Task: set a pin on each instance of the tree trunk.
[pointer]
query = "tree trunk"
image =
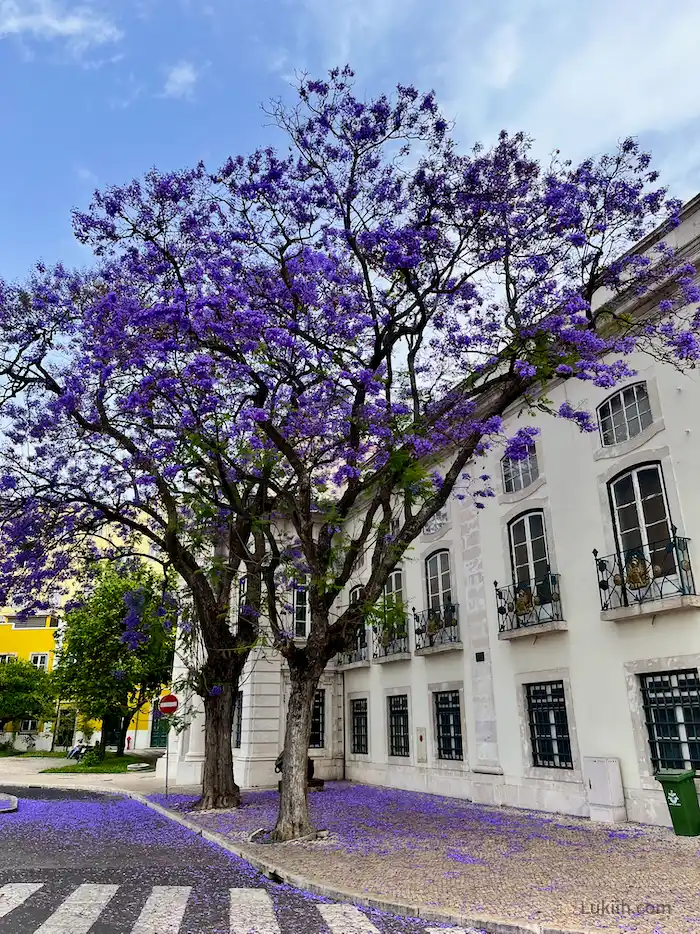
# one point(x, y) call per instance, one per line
point(219, 790)
point(293, 820)
point(123, 730)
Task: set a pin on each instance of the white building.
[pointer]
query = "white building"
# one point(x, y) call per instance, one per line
point(567, 683)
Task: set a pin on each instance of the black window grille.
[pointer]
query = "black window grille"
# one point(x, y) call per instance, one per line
point(449, 725)
point(318, 720)
point(398, 725)
point(239, 720)
point(359, 726)
point(672, 714)
point(549, 727)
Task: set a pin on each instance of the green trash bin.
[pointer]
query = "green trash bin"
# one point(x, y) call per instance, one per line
point(682, 800)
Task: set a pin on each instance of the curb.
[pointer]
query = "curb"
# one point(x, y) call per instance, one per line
point(278, 874)
point(8, 803)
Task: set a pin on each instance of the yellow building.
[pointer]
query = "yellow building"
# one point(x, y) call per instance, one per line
point(34, 639)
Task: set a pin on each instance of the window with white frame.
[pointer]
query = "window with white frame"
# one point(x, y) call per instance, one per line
point(528, 548)
point(398, 725)
point(7, 657)
point(438, 580)
point(520, 474)
point(29, 726)
point(393, 589)
point(436, 522)
point(300, 608)
point(549, 725)
point(361, 636)
point(448, 725)
point(624, 415)
point(317, 740)
point(28, 622)
point(39, 660)
point(360, 732)
point(641, 518)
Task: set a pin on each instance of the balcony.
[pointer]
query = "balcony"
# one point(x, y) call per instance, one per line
point(529, 608)
point(389, 632)
point(358, 656)
point(437, 630)
point(647, 580)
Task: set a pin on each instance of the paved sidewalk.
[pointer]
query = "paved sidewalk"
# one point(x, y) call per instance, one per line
point(23, 770)
point(480, 862)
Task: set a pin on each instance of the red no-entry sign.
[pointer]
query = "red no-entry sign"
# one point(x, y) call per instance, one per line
point(168, 704)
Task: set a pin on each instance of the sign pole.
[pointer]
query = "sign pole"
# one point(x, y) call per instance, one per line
point(167, 758)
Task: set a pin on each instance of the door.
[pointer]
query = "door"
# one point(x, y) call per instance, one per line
point(530, 560)
point(641, 517)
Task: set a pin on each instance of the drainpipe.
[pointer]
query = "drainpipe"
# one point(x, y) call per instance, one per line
point(344, 737)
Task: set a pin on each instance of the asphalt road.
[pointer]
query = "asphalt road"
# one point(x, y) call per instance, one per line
point(75, 862)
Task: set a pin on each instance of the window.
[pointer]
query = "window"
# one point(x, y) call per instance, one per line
point(318, 721)
point(519, 474)
point(640, 515)
point(439, 580)
point(361, 635)
point(29, 726)
point(437, 522)
point(238, 721)
point(53, 622)
point(39, 660)
point(29, 622)
point(398, 725)
point(358, 710)
point(549, 727)
point(8, 657)
point(672, 714)
point(624, 415)
point(448, 725)
point(301, 610)
point(393, 589)
point(528, 551)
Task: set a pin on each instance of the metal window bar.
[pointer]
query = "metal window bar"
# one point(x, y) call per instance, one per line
point(318, 721)
point(671, 702)
point(436, 626)
point(239, 720)
point(549, 726)
point(449, 725)
point(640, 575)
point(398, 725)
point(529, 603)
point(360, 731)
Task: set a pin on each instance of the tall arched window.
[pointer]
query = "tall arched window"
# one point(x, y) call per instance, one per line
point(624, 414)
point(528, 547)
point(642, 523)
point(438, 578)
point(519, 474)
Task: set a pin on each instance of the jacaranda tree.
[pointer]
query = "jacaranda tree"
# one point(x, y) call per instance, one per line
point(308, 347)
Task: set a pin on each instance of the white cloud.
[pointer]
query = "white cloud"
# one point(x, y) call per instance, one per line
point(180, 80)
point(78, 26)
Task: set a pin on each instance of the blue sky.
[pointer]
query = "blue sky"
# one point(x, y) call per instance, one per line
point(93, 92)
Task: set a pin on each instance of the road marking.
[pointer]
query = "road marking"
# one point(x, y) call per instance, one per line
point(78, 913)
point(13, 895)
point(346, 919)
point(164, 910)
point(252, 912)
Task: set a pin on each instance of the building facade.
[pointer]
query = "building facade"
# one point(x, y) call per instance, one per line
point(549, 655)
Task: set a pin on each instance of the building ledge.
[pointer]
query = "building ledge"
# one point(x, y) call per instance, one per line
point(651, 607)
point(396, 657)
point(363, 663)
point(443, 647)
point(551, 625)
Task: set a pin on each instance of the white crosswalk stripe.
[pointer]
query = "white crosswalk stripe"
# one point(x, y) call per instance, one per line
point(252, 912)
point(164, 910)
point(13, 895)
point(78, 913)
point(346, 919)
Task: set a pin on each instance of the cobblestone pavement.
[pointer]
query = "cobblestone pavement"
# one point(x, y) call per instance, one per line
point(473, 860)
point(76, 862)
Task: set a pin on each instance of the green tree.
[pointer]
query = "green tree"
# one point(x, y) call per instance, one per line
point(117, 646)
point(26, 693)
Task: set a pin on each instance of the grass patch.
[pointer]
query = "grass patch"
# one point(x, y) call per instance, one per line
point(111, 764)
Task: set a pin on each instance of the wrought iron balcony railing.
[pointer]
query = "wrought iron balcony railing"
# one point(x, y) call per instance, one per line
point(359, 652)
point(436, 626)
point(391, 636)
point(529, 603)
point(643, 574)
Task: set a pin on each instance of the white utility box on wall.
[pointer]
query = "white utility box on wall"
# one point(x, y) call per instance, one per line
point(603, 783)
